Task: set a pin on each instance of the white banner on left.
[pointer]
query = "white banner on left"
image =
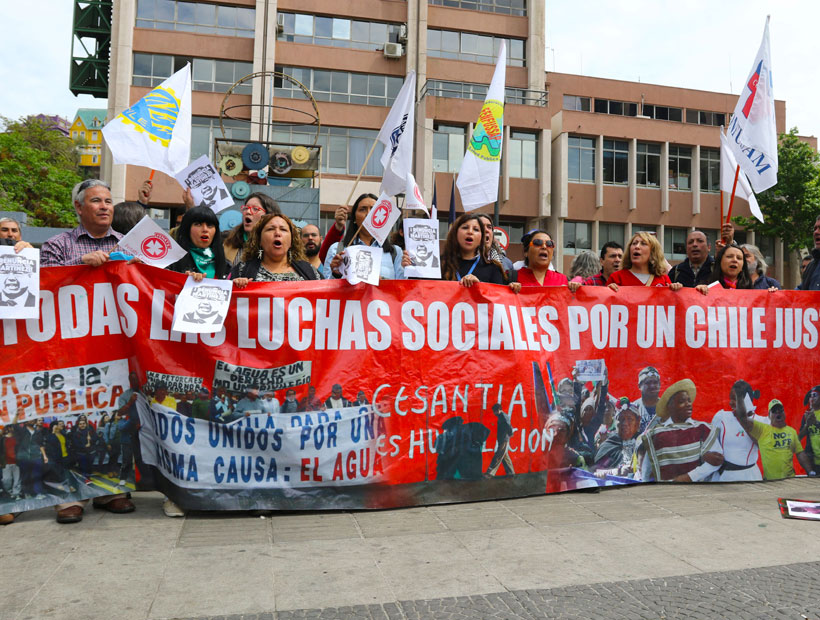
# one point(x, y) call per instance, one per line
point(19, 283)
point(152, 245)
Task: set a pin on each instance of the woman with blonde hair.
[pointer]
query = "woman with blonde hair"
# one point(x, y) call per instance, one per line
point(644, 265)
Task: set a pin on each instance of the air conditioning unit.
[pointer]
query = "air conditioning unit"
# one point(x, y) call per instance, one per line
point(280, 22)
point(392, 50)
point(402, 33)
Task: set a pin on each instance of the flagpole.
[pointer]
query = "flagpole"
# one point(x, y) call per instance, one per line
point(732, 199)
point(339, 247)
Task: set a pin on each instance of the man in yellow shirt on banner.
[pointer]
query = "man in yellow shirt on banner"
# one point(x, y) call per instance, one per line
point(778, 443)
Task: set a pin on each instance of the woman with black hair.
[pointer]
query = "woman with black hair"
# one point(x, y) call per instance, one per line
point(740, 451)
point(731, 270)
point(465, 258)
point(198, 234)
point(256, 205)
point(391, 267)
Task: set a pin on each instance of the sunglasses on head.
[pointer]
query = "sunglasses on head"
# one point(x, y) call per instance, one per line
point(251, 209)
point(539, 242)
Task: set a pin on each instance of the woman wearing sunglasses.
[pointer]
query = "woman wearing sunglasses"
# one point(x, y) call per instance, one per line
point(256, 205)
point(538, 250)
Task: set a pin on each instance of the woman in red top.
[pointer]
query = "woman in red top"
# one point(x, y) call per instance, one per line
point(538, 251)
point(644, 265)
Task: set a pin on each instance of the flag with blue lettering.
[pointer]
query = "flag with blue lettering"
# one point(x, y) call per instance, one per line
point(397, 136)
point(478, 177)
point(752, 132)
point(155, 132)
point(742, 189)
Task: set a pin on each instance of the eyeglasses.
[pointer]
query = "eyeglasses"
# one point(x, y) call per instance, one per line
point(251, 209)
point(539, 242)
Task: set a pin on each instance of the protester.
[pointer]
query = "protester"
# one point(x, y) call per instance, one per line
point(83, 446)
point(616, 455)
point(729, 270)
point(162, 397)
point(811, 273)
point(585, 265)
point(311, 402)
point(612, 254)
point(677, 447)
point(643, 265)
point(391, 267)
point(274, 253)
point(494, 251)
point(127, 215)
point(739, 449)
point(312, 241)
point(56, 447)
point(757, 268)
point(538, 252)
point(270, 404)
point(110, 436)
point(778, 443)
point(246, 406)
point(503, 432)
point(291, 405)
point(201, 405)
point(8, 463)
point(198, 235)
point(465, 257)
point(220, 405)
point(361, 399)
point(256, 205)
point(336, 400)
point(10, 229)
point(810, 426)
point(697, 267)
point(334, 234)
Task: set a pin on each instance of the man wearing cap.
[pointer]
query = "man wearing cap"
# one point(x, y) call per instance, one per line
point(336, 400)
point(676, 447)
point(616, 454)
point(649, 382)
point(778, 443)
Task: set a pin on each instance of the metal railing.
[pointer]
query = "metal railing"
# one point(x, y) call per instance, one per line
point(468, 90)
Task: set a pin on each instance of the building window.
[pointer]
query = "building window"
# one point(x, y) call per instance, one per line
point(577, 237)
point(709, 170)
point(339, 86)
point(448, 147)
point(468, 90)
point(636, 228)
point(581, 159)
point(231, 21)
point(95, 136)
point(619, 108)
point(74, 135)
point(663, 113)
point(344, 149)
point(610, 232)
point(205, 129)
point(337, 31)
point(616, 162)
point(505, 7)
point(649, 164)
point(680, 167)
point(674, 243)
point(703, 117)
point(473, 47)
point(207, 74)
point(95, 159)
point(574, 102)
point(522, 155)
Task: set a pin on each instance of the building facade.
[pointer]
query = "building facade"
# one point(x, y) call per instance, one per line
point(590, 159)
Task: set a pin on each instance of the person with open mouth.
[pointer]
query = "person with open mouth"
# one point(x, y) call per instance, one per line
point(256, 205)
point(731, 271)
point(643, 265)
point(198, 235)
point(538, 251)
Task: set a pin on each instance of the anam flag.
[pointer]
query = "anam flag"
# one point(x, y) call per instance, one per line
point(397, 136)
point(155, 132)
point(752, 133)
point(728, 166)
point(478, 178)
point(379, 222)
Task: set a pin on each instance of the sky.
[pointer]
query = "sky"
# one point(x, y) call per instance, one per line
point(699, 44)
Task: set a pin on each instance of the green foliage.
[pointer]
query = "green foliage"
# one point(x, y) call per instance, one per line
point(38, 169)
point(792, 205)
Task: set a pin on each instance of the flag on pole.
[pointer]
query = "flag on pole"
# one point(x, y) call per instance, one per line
point(155, 132)
point(412, 196)
point(478, 178)
point(383, 215)
point(752, 132)
point(397, 136)
point(728, 166)
point(451, 218)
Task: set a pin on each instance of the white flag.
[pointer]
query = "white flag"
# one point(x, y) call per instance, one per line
point(397, 136)
point(361, 263)
point(412, 195)
point(155, 132)
point(728, 166)
point(151, 244)
point(752, 133)
point(379, 222)
point(478, 178)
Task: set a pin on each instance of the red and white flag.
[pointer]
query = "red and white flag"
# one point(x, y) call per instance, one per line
point(151, 244)
point(412, 195)
point(379, 222)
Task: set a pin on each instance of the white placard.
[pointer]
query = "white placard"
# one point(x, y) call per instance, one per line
point(379, 221)
point(421, 241)
point(361, 263)
point(152, 245)
point(589, 370)
point(206, 185)
point(201, 307)
point(19, 283)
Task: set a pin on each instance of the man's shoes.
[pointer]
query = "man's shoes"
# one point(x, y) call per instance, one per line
point(121, 505)
point(72, 514)
point(171, 509)
point(6, 519)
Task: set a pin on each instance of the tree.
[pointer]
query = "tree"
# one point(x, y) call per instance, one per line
point(790, 207)
point(38, 169)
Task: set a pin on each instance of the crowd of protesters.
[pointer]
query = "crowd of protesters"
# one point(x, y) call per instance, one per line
point(268, 247)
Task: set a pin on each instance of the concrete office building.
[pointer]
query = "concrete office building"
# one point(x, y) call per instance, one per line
point(590, 159)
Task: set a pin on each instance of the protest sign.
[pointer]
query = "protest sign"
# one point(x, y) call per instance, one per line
point(206, 185)
point(421, 241)
point(19, 283)
point(379, 221)
point(152, 245)
point(176, 384)
point(361, 263)
point(202, 306)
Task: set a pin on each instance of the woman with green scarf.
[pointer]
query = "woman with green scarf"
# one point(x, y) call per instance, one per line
point(198, 234)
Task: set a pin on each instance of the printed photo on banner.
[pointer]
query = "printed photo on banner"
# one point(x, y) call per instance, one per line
point(202, 306)
point(590, 370)
point(152, 245)
point(237, 379)
point(206, 185)
point(421, 241)
point(175, 384)
point(62, 391)
point(361, 263)
point(19, 283)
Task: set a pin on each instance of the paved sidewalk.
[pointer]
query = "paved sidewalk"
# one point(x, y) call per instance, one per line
point(650, 551)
